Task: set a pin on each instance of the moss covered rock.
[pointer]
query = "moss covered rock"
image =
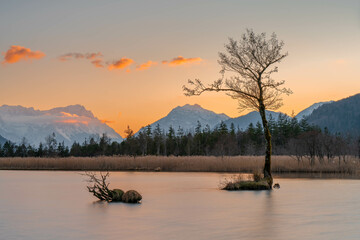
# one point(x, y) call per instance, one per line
point(131, 196)
point(247, 185)
point(117, 195)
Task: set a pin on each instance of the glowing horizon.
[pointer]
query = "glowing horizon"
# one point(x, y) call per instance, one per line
point(128, 65)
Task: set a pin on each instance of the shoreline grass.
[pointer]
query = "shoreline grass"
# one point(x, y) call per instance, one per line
point(227, 164)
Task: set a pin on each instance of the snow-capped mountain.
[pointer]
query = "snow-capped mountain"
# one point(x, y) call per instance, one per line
point(307, 111)
point(71, 123)
point(2, 140)
point(244, 121)
point(187, 116)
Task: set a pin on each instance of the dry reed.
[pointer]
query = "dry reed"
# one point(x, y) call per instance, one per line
point(236, 164)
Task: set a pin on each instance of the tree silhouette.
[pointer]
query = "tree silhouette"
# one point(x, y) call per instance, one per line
point(251, 61)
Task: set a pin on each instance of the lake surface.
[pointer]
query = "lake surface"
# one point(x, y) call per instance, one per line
point(56, 205)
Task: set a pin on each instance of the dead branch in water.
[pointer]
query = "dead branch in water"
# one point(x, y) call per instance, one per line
point(99, 186)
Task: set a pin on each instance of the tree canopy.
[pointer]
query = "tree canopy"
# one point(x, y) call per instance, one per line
point(250, 62)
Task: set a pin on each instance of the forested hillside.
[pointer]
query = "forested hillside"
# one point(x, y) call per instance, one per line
point(339, 117)
point(290, 137)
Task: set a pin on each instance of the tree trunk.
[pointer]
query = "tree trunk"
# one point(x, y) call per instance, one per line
point(267, 166)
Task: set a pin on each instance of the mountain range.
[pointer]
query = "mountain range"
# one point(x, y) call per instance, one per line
point(244, 121)
point(342, 116)
point(76, 123)
point(187, 118)
point(71, 123)
point(309, 110)
point(2, 140)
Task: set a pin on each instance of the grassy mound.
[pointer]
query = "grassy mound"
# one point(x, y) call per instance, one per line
point(247, 185)
point(256, 181)
point(131, 196)
point(117, 195)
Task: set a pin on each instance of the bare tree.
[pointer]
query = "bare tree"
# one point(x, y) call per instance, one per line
point(99, 186)
point(252, 61)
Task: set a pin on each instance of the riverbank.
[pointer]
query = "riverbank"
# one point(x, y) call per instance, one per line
point(236, 164)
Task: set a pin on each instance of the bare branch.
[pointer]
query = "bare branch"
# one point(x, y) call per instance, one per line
point(99, 186)
point(251, 59)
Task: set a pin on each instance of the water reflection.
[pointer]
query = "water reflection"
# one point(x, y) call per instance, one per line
point(56, 205)
point(319, 175)
point(267, 221)
point(99, 205)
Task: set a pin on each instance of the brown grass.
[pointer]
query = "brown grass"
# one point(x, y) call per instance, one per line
point(244, 164)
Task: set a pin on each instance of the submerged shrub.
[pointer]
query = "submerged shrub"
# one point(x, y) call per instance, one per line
point(131, 196)
point(117, 195)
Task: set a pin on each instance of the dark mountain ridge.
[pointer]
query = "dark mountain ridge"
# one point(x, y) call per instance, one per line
point(2, 140)
point(342, 116)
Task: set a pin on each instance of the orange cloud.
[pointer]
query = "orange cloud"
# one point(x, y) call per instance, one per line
point(146, 65)
point(120, 64)
point(107, 121)
point(181, 60)
point(89, 56)
point(69, 114)
point(93, 55)
point(73, 121)
point(17, 53)
point(98, 63)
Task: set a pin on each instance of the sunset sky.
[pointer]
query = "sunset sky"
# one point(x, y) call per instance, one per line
point(127, 61)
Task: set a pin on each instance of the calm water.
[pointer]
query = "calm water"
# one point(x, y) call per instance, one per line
point(56, 205)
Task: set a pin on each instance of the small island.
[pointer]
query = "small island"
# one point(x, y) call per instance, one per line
point(253, 60)
point(99, 187)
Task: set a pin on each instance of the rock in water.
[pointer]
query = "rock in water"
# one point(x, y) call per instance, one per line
point(131, 196)
point(117, 195)
point(276, 185)
point(247, 185)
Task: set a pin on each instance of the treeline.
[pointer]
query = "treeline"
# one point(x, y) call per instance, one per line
point(289, 137)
